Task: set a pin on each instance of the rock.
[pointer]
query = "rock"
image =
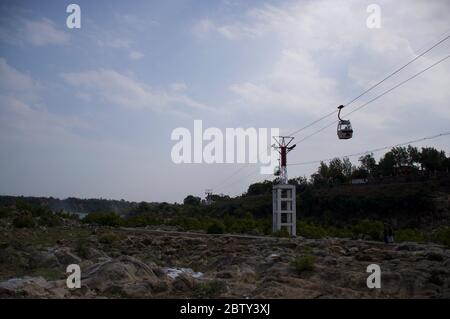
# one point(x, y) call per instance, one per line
point(122, 271)
point(183, 282)
point(272, 258)
point(225, 274)
point(35, 287)
point(434, 256)
point(66, 257)
point(43, 259)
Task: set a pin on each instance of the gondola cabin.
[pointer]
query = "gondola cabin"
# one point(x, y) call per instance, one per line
point(344, 130)
point(344, 127)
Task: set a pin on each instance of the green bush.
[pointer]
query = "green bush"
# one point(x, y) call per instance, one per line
point(24, 221)
point(49, 219)
point(82, 248)
point(442, 236)
point(412, 235)
point(5, 212)
point(211, 289)
point(371, 228)
point(66, 215)
point(281, 233)
point(303, 263)
point(310, 230)
point(142, 220)
point(103, 219)
point(108, 238)
point(216, 228)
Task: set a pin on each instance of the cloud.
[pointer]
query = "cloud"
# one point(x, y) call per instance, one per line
point(13, 80)
point(203, 28)
point(44, 31)
point(178, 86)
point(327, 54)
point(22, 113)
point(113, 87)
point(117, 43)
point(136, 55)
point(295, 84)
point(38, 32)
point(16, 83)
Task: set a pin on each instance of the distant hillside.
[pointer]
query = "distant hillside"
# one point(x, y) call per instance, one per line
point(412, 204)
point(74, 205)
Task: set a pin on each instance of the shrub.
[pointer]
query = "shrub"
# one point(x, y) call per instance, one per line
point(82, 248)
point(5, 212)
point(371, 228)
point(303, 263)
point(66, 215)
point(103, 218)
point(310, 230)
point(216, 228)
point(24, 221)
point(142, 220)
point(442, 236)
point(281, 233)
point(49, 219)
point(409, 235)
point(108, 238)
point(211, 289)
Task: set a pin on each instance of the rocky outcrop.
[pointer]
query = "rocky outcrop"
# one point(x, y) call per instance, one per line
point(149, 264)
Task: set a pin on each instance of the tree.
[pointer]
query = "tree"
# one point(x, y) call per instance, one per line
point(400, 156)
point(336, 171)
point(192, 200)
point(347, 168)
point(431, 159)
point(321, 177)
point(413, 156)
point(260, 188)
point(368, 164)
point(301, 183)
point(387, 164)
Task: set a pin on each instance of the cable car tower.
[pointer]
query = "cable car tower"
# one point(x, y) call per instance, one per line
point(282, 146)
point(208, 196)
point(283, 194)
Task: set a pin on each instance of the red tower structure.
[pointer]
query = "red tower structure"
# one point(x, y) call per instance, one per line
point(283, 148)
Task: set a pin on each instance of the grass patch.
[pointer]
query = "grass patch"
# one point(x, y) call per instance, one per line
point(304, 262)
point(82, 248)
point(108, 238)
point(216, 228)
point(281, 233)
point(24, 221)
point(211, 289)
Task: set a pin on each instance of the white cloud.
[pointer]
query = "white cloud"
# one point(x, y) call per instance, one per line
point(319, 40)
point(15, 29)
point(178, 86)
point(136, 55)
point(19, 84)
point(203, 28)
point(117, 43)
point(42, 32)
point(21, 112)
point(13, 80)
point(121, 90)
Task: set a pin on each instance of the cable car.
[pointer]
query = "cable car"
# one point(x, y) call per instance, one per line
point(344, 127)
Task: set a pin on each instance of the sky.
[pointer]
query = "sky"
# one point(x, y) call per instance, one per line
point(89, 112)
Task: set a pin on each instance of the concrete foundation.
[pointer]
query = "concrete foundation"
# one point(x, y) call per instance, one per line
point(284, 208)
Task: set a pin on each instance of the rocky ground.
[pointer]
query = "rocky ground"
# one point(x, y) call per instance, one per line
point(143, 263)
